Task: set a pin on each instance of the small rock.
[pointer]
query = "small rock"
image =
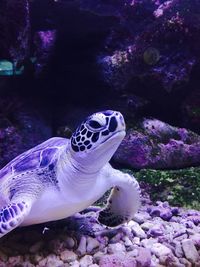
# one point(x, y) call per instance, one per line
point(68, 256)
point(195, 219)
point(180, 237)
point(185, 262)
point(42, 263)
point(74, 264)
point(70, 242)
point(103, 241)
point(162, 211)
point(147, 243)
point(127, 241)
point(117, 248)
point(190, 251)
point(97, 256)
point(155, 231)
point(171, 261)
point(137, 230)
point(51, 260)
point(81, 250)
point(141, 217)
point(166, 214)
point(86, 261)
point(147, 225)
point(175, 211)
point(92, 243)
point(116, 261)
point(175, 219)
point(127, 231)
point(15, 260)
point(116, 238)
point(136, 240)
point(144, 257)
point(24, 264)
point(196, 239)
point(37, 258)
point(133, 253)
point(160, 250)
point(154, 261)
point(178, 249)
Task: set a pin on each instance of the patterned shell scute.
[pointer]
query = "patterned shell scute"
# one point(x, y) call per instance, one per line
point(6, 170)
point(28, 163)
point(47, 156)
point(37, 157)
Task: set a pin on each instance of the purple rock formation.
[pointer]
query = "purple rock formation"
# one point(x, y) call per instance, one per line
point(162, 210)
point(153, 40)
point(14, 30)
point(44, 43)
point(155, 144)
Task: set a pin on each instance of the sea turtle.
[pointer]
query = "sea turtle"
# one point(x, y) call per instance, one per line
point(63, 176)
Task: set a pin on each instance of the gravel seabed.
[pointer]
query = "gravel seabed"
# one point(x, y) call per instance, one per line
point(159, 235)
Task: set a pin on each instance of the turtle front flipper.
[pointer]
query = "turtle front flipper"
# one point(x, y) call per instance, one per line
point(123, 201)
point(13, 215)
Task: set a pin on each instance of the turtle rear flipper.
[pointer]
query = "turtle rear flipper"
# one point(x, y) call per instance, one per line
point(13, 215)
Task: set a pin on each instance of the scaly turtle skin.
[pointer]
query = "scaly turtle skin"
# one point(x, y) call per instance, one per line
point(62, 176)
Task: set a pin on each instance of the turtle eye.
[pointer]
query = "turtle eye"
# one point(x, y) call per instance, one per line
point(94, 124)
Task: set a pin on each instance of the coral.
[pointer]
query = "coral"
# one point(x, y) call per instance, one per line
point(158, 145)
point(153, 41)
point(44, 42)
point(14, 30)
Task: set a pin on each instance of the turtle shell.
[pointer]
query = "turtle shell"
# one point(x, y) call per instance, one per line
point(40, 156)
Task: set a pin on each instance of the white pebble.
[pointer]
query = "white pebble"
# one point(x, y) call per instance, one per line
point(15, 260)
point(190, 251)
point(147, 225)
point(70, 243)
point(196, 239)
point(116, 248)
point(137, 230)
point(147, 243)
point(68, 256)
point(98, 255)
point(160, 250)
point(127, 241)
point(92, 243)
point(74, 264)
point(133, 253)
point(86, 261)
point(136, 240)
point(178, 249)
point(51, 260)
point(116, 238)
point(141, 217)
point(82, 246)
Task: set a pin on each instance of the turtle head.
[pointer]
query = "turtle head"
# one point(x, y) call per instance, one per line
point(97, 138)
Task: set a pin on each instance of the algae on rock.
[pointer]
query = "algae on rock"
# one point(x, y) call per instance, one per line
point(178, 187)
